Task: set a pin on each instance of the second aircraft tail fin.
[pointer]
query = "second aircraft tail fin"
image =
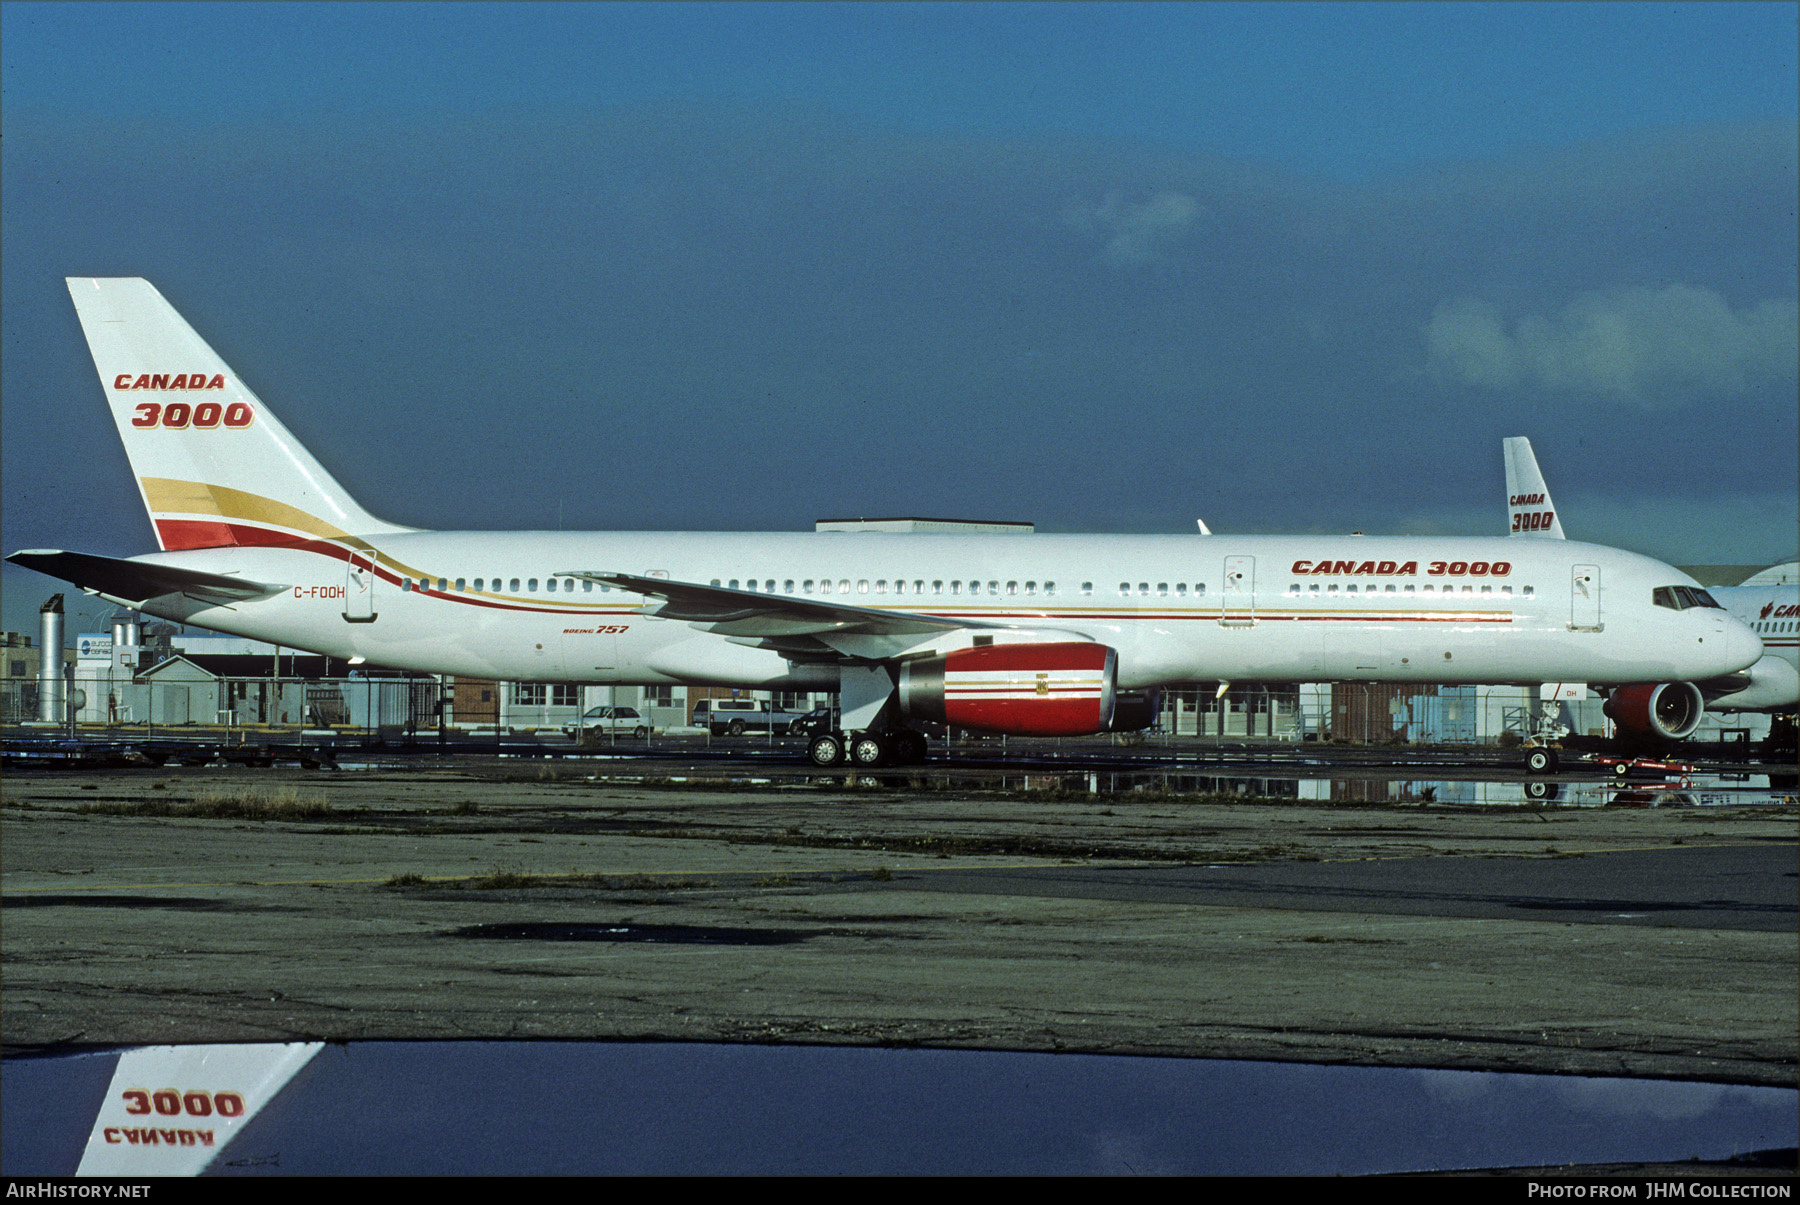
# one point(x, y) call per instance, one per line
point(1529, 511)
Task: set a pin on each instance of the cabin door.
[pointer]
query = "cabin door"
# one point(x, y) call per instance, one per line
point(1584, 598)
point(359, 590)
point(1237, 596)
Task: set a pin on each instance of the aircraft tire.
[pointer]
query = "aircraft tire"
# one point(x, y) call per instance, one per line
point(909, 747)
point(1541, 761)
point(827, 749)
point(869, 751)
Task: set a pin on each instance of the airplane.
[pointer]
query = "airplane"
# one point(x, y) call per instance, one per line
point(1024, 634)
point(1665, 712)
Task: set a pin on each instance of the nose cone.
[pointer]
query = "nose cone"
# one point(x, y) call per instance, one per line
point(1744, 646)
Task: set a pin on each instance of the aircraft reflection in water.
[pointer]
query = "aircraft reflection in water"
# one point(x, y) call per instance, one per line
point(1703, 790)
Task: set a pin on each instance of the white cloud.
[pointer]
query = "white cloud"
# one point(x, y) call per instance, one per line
point(1136, 232)
point(1647, 346)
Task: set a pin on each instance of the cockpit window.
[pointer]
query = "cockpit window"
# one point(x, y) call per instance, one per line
point(1680, 598)
point(1701, 598)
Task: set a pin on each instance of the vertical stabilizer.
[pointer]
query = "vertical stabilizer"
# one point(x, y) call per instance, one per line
point(1529, 511)
point(214, 465)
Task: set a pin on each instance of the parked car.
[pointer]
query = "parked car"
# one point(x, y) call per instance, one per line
point(604, 721)
point(818, 720)
point(735, 717)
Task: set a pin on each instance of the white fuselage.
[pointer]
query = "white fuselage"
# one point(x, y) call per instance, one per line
point(1177, 608)
point(1773, 613)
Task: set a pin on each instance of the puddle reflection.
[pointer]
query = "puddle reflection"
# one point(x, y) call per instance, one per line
point(550, 1108)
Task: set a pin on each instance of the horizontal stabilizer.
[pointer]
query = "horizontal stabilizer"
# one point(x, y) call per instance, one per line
point(139, 581)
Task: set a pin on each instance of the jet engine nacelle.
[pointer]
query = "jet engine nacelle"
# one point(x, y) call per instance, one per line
point(1771, 685)
point(1064, 689)
point(1668, 711)
point(1135, 710)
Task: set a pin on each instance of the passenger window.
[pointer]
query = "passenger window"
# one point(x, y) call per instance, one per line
point(1529, 591)
point(1124, 589)
point(1012, 587)
point(460, 583)
point(1143, 589)
point(478, 582)
point(937, 587)
point(733, 583)
point(1313, 588)
point(899, 586)
point(715, 582)
point(1050, 588)
point(787, 586)
point(1181, 590)
point(1199, 588)
point(956, 587)
point(993, 587)
point(862, 586)
point(531, 585)
point(808, 587)
point(1030, 588)
point(1162, 589)
point(1294, 588)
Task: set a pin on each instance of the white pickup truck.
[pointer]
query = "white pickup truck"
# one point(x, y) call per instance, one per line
point(735, 717)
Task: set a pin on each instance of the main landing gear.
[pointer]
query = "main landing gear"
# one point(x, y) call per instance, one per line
point(867, 750)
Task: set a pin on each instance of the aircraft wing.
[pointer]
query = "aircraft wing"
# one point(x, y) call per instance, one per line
point(803, 629)
point(133, 582)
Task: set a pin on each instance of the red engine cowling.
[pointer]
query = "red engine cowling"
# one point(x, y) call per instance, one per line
point(1668, 711)
point(1063, 689)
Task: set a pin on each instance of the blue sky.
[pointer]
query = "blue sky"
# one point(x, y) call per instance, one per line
point(1102, 266)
